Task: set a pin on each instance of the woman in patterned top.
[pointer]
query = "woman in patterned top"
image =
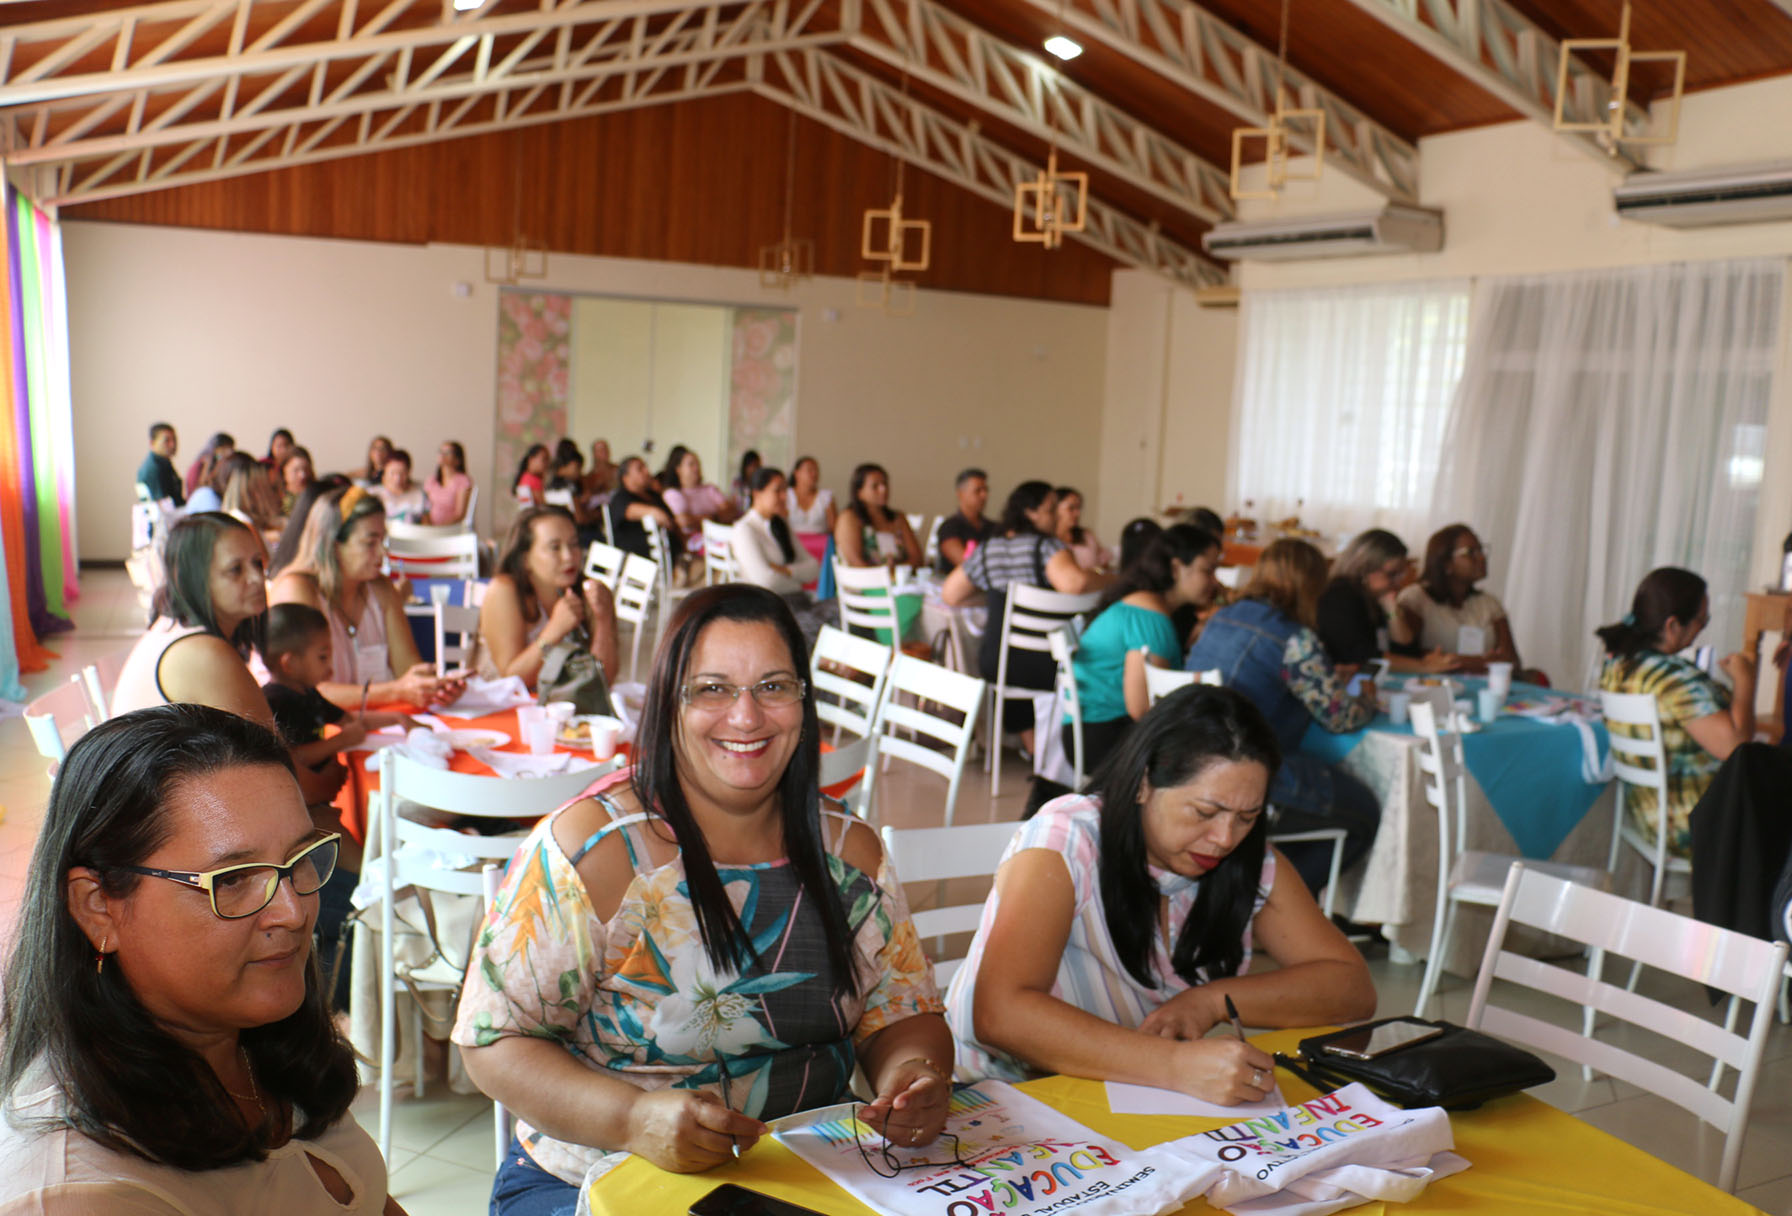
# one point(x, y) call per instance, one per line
point(1265, 647)
point(1122, 919)
point(699, 944)
point(1701, 723)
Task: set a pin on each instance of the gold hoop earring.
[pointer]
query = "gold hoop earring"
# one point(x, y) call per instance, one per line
point(99, 956)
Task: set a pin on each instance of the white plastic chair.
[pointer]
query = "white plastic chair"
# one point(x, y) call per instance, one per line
point(1029, 614)
point(1063, 644)
point(1640, 761)
point(463, 624)
point(917, 523)
point(415, 858)
point(930, 552)
point(938, 854)
point(603, 564)
point(634, 592)
point(847, 702)
point(718, 553)
point(455, 555)
point(557, 498)
point(660, 544)
point(57, 719)
point(1466, 876)
point(932, 689)
point(98, 681)
point(1160, 682)
point(401, 530)
point(864, 597)
point(1731, 962)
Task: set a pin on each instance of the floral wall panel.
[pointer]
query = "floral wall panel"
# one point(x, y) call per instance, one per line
point(762, 391)
point(534, 358)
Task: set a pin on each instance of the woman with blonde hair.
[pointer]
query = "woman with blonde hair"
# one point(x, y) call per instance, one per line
point(1264, 645)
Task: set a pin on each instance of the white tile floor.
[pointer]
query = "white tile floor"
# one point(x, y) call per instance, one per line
point(442, 1153)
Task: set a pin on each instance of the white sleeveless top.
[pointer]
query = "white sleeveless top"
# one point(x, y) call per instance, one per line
point(139, 681)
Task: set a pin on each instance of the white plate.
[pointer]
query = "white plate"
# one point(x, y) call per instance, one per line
point(473, 737)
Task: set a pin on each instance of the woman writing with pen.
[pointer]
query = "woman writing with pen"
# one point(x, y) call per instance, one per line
point(1122, 922)
point(702, 942)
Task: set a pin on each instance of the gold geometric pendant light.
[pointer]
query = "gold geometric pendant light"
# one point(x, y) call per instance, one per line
point(792, 259)
point(1050, 205)
point(1611, 128)
point(897, 245)
point(1277, 143)
point(522, 259)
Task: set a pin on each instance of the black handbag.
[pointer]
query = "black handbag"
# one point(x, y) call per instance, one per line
point(570, 672)
point(1458, 1069)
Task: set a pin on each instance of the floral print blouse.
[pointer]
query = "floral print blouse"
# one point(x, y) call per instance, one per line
point(1314, 681)
point(637, 998)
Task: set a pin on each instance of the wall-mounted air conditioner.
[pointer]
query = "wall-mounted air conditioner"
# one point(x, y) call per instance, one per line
point(1730, 194)
point(1395, 228)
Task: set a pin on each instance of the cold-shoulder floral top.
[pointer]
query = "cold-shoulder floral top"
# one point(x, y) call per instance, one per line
point(636, 996)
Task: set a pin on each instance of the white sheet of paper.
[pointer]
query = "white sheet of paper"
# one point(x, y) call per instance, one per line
point(1126, 1099)
point(1471, 639)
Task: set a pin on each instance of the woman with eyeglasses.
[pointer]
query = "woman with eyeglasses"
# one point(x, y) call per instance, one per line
point(1123, 920)
point(1357, 618)
point(702, 942)
point(1447, 612)
point(167, 1043)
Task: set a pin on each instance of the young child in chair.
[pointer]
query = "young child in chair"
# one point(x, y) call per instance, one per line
point(297, 653)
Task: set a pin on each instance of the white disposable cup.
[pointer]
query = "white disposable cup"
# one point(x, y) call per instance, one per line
point(1499, 679)
point(526, 714)
point(1488, 704)
point(439, 593)
point(603, 736)
point(539, 735)
point(1398, 704)
point(560, 711)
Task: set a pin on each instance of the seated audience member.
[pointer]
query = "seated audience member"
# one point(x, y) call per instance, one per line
point(532, 471)
point(1083, 544)
point(566, 489)
point(294, 538)
point(811, 507)
point(296, 472)
point(280, 446)
point(1123, 918)
point(767, 555)
point(248, 496)
point(600, 474)
point(217, 449)
point(692, 866)
point(297, 654)
point(208, 495)
point(540, 597)
point(1357, 619)
point(1132, 628)
point(1445, 612)
point(379, 451)
point(449, 489)
point(1023, 550)
point(870, 532)
point(741, 492)
point(157, 474)
point(1701, 721)
point(404, 499)
point(1264, 646)
point(1206, 519)
point(168, 1046)
point(691, 499)
point(374, 658)
point(966, 527)
point(1135, 537)
point(634, 502)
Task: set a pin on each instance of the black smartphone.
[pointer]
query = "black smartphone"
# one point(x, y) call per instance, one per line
point(1372, 1041)
point(731, 1200)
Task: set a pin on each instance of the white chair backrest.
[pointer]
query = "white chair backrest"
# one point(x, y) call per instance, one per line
point(400, 530)
point(99, 679)
point(633, 593)
point(1704, 954)
point(58, 718)
point(603, 563)
point(1637, 759)
point(1442, 771)
point(660, 546)
point(932, 689)
point(455, 555)
point(930, 552)
point(457, 636)
point(1032, 613)
point(851, 703)
point(1062, 641)
point(557, 498)
point(938, 854)
point(403, 779)
point(864, 598)
point(1160, 682)
point(467, 520)
point(718, 555)
point(917, 523)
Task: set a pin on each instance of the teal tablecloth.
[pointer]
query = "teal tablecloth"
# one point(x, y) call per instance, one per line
point(1529, 770)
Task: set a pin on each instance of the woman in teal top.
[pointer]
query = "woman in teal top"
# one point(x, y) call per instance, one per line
point(1132, 628)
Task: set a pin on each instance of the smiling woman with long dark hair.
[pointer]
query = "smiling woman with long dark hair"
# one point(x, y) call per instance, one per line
point(168, 1046)
point(700, 943)
point(1123, 918)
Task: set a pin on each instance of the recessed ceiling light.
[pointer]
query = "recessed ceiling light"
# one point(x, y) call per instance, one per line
point(467, 6)
point(1063, 47)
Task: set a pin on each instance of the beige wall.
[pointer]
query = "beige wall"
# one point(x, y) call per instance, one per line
point(338, 340)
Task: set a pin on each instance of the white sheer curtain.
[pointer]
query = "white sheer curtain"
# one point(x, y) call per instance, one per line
point(1343, 396)
point(1608, 423)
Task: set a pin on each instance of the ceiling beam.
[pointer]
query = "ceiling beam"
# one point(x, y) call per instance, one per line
point(81, 129)
point(1509, 55)
point(1191, 48)
point(822, 87)
point(936, 46)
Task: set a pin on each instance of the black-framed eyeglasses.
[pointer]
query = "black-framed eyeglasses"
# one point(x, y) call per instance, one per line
point(884, 1161)
point(243, 890)
point(770, 693)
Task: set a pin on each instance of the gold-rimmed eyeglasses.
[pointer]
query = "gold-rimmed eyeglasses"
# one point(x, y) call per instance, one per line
point(243, 890)
point(770, 693)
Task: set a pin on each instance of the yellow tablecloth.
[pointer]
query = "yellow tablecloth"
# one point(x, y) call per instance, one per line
point(1527, 1157)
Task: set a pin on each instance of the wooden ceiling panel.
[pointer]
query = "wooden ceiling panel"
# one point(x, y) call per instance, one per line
point(1725, 41)
point(698, 182)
